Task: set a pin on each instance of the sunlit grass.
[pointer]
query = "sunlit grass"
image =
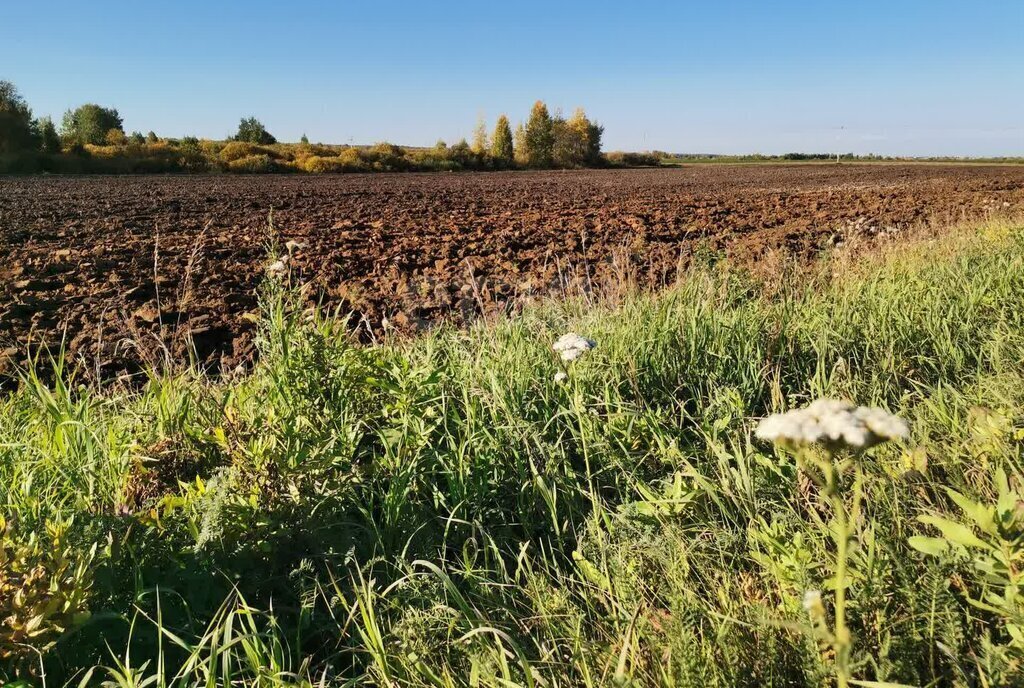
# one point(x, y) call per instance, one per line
point(443, 511)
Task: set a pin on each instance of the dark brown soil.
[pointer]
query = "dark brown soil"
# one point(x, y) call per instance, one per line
point(122, 268)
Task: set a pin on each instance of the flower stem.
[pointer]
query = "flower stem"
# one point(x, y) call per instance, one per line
point(841, 633)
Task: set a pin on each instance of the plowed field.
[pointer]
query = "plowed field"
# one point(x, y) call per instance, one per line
point(118, 268)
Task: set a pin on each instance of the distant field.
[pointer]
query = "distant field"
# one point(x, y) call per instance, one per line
point(121, 267)
point(774, 160)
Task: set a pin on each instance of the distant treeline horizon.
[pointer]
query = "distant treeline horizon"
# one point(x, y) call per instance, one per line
point(92, 140)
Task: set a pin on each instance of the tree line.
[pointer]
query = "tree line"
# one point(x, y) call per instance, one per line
point(92, 138)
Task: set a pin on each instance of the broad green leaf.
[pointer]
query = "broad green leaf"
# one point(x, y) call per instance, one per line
point(956, 533)
point(936, 547)
point(979, 513)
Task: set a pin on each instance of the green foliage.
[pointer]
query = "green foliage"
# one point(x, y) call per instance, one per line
point(621, 159)
point(191, 156)
point(49, 141)
point(252, 164)
point(16, 129)
point(577, 141)
point(236, 150)
point(988, 537)
point(45, 583)
point(539, 138)
point(481, 141)
point(90, 123)
point(385, 157)
point(115, 137)
point(502, 150)
point(251, 130)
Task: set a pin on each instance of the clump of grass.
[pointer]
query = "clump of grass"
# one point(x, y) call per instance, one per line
point(468, 508)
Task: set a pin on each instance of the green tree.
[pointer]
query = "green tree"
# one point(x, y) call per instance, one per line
point(480, 142)
point(16, 131)
point(577, 141)
point(502, 149)
point(461, 153)
point(251, 130)
point(304, 140)
point(90, 123)
point(151, 137)
point(519, 147)
point(595, 132)
point(540, 139)
point(49, 141)
point(137, 138)
point(192, 158)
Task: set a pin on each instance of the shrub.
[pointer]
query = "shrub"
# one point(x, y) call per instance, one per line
point(623, 159)
point(115, 137)
point(236, 150)
point(252, 164)
point(351, 159)
point(191, 157)
point(319, 164)
point(386, 157)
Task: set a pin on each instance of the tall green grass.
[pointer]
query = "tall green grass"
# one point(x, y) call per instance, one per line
point(441, 511)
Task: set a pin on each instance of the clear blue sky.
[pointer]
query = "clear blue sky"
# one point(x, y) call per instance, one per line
point(898, 77)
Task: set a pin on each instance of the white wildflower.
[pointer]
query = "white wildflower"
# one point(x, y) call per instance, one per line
point(571, 346)
point(813, 605)
point(833, 424)
point(292, 246)
point(561, 376)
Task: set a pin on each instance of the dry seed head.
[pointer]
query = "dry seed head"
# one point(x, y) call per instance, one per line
point(278, 268)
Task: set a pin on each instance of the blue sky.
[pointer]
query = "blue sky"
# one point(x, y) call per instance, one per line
point(899, 77)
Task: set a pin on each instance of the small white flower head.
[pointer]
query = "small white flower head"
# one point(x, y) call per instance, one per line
point(833, 424)
point(813, 605)
point(278, 268)
point(293, 246)
point(571, 346)
point(561, 376)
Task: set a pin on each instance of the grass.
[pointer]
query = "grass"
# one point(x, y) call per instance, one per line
point(440, 511)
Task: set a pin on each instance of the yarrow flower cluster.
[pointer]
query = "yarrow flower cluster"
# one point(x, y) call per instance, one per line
point(833, 424)
point(571, 346)
point(561, 376)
